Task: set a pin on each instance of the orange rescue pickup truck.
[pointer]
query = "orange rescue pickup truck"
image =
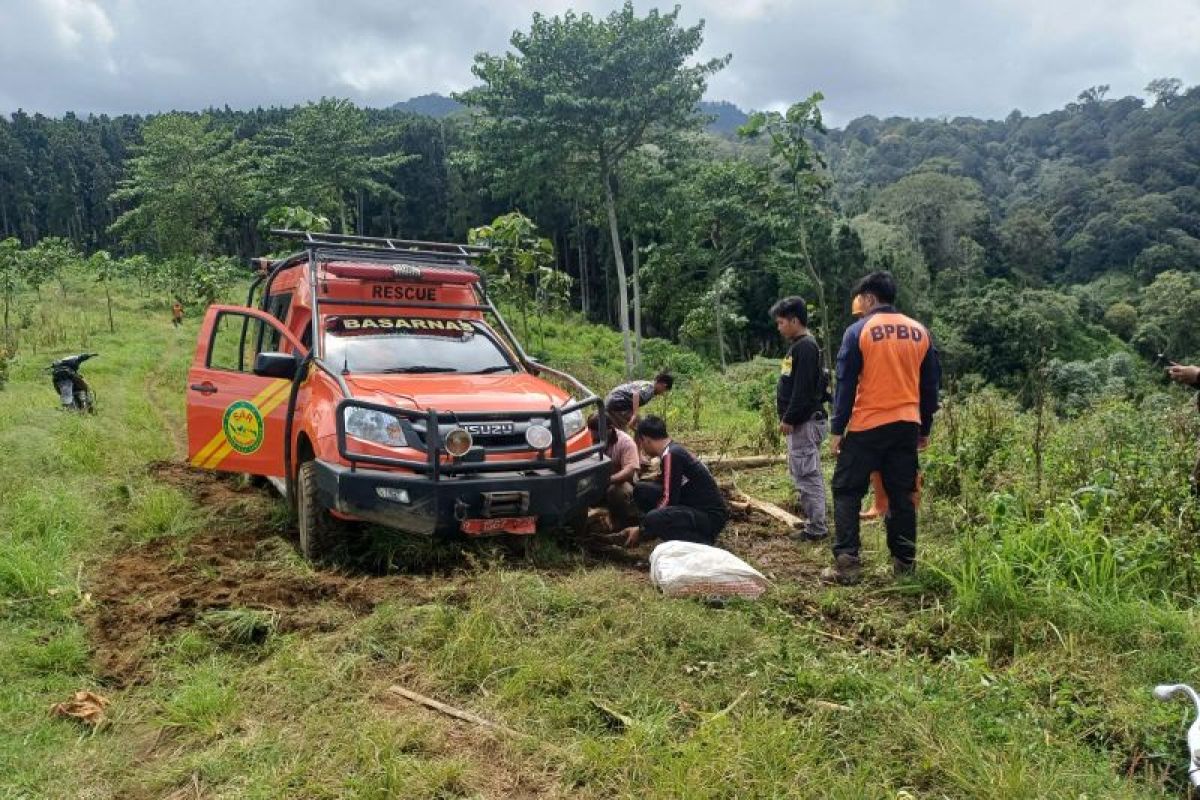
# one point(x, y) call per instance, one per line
point(368, 385)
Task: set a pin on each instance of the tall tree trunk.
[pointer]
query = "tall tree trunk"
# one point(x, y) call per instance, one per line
point(108, 297)
point(601, 262)
point(826, 333)
point(585, 283)
point(720, 327)
point(637, 304)
point(610, 203)
point(448, 220)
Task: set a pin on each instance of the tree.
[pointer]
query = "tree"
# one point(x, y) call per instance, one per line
point(802, 169)
point(325, 157)
point(891, 248)
point(1004, 335)
point(1164, 90)
point(721, 231)
point(1093, 95)
point(1121, 319)
point(10, 276)
point(187, 183)
point(1167, 313)
point(937, 209)
point(1030, 247)
point(595, 90)
point(518, 261)
point(104, 269)
point(51, 258)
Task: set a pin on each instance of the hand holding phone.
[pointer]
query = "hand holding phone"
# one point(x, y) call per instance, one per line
point(1183, 374)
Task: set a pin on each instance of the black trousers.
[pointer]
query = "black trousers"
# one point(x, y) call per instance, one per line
point(890, 450)
point(674, 523)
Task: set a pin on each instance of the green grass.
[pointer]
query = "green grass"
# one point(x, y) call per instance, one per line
point(1017, 664)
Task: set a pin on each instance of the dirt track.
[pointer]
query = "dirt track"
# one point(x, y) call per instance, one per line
point(144, 594)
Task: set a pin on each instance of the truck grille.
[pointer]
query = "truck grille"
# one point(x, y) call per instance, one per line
point(490, 435)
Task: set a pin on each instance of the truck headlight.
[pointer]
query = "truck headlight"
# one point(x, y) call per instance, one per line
point(573, 422)
point(374, 426)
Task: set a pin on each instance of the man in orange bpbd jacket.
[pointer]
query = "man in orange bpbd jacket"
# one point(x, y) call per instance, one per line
point(887, 393)
point(879, 503)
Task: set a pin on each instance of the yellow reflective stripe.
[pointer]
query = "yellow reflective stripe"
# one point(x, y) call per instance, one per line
point(207, 450)
point(272, 404)
point(264, 408)
point(217, 441)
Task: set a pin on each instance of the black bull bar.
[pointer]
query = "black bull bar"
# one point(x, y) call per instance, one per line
point(473, 463)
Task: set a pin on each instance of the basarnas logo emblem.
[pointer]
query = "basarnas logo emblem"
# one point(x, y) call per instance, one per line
point(243, 427)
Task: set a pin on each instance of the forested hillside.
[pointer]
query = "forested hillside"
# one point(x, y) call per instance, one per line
point(1048, 240)
point(1056, 257)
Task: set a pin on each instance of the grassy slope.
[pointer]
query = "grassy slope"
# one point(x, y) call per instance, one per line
point(811, 692)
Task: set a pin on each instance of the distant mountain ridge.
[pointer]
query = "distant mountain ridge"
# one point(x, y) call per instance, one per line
point(430, 105)
point(727, 116)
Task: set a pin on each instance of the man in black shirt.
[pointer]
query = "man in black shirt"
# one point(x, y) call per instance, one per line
point(800, 401)
point(687, 506)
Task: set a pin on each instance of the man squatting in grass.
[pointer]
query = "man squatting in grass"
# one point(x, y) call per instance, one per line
point(887, 393)
point(623, 451)
point(625, 401)
point(800, 401)
point(687, 506)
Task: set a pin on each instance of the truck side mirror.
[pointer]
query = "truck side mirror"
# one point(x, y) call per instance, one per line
point(276, 365)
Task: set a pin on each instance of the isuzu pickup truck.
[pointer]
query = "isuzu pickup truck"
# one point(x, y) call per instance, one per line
point(373, 380)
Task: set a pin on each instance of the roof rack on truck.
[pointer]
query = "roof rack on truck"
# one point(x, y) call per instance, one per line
point(325, 247)
point(383, 390)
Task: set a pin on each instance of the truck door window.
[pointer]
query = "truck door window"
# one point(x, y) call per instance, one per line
point(278, 305)
point(413, 346)
point(236, 341)
point(269, 337)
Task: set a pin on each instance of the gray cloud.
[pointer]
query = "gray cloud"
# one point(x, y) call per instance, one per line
point(908, 57)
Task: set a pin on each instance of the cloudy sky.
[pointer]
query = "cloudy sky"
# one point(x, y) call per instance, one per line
point(909, 57)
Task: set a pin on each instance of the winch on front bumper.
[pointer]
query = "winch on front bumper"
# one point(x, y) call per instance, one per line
point(415, 504)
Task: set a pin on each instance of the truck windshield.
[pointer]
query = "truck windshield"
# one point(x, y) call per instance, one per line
point(406, 345)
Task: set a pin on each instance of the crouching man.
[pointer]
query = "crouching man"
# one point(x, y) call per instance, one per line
point(687, 506)
point(623, 451)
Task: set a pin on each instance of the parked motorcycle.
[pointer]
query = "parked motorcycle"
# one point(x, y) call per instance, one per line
point(72, 389)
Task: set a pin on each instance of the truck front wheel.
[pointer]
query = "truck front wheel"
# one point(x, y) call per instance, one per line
point(319, 530)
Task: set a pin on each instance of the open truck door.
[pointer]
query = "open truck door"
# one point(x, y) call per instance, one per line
point(238, 388)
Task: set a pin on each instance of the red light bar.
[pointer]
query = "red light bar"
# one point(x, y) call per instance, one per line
point(401, 271)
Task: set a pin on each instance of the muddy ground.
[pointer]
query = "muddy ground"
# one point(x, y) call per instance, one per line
point(244, 559)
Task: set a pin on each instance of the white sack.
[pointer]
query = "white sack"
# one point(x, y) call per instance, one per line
point(686, 569)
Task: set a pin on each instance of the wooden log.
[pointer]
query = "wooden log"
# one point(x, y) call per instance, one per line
point(723, 462)
point(771, 510)
point(451, 711)
point(825, 705)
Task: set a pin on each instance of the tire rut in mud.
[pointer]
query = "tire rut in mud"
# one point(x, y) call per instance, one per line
point(142, 596)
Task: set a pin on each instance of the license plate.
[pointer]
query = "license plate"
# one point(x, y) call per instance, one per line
point(523, 526)
point(490, 428)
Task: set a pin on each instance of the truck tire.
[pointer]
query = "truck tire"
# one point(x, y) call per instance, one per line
point(576, 524)
point(319, 531)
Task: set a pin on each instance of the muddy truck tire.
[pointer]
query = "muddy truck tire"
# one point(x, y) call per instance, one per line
point(319, 531)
